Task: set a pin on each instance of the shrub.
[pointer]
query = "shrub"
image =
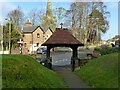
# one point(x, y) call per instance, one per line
point(106, 50)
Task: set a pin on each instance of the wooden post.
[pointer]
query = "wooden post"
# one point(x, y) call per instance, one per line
point(48, 58)
point(75, 52)
point(74, 57)
point(20, 45)
point(48, 52)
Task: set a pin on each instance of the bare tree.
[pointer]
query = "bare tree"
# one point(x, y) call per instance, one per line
point(40, 15)
point(17, 17)
point(60, 13)
point(81, 24)
point(32, 15)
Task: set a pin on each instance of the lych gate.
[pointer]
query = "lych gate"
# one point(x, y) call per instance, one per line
point(63, 38)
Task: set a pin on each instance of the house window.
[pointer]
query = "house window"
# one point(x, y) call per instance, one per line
point(38, 35)
point(45, 38)
point(30, 42)
point(25, 44)
point(37, 44)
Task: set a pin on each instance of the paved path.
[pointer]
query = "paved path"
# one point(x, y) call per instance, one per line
point(61, 64)
point(72, 80)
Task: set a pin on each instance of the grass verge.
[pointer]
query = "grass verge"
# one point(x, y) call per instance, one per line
point(22, 71)
point(101, 72)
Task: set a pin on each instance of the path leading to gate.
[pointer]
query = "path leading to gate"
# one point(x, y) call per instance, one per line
point(71, 80)
point(61, 65)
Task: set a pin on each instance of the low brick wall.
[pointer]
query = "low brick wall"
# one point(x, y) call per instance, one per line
point(25, 51)
point(17, 51)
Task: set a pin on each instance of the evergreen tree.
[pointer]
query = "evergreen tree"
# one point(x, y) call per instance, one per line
point(98, 25)
point(15, 35)
point(49, 20)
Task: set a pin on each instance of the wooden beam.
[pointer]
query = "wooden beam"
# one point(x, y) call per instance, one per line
point(48, 52)
point(74, 57)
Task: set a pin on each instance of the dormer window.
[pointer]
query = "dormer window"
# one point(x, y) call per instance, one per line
point(38, 35)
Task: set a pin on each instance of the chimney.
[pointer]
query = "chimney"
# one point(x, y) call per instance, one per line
point(28, 23)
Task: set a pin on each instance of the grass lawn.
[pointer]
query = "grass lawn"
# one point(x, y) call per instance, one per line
point(101, 72)
point(22, 71)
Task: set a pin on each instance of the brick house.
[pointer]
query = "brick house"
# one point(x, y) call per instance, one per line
point(34, 36)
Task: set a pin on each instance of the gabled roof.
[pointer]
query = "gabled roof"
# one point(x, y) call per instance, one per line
point(31, 29)
point(62, 37)
point(45, 29)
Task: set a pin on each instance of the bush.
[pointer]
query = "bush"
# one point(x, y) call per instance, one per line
point(107, 50)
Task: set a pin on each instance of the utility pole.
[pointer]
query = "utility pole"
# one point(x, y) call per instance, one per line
point(2, 38)
point(2, 41)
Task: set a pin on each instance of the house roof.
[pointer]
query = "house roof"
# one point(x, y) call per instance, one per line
point(62, 37)
point(45, 29)
point(31, 29)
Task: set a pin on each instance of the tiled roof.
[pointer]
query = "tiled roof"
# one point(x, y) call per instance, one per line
point(62, 37)
point(31, 29)
point(45, 29)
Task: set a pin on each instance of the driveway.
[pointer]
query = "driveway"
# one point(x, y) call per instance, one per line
point(61, 58)
point(64, 58)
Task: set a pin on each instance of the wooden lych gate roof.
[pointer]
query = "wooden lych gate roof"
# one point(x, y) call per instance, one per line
point(62, 37)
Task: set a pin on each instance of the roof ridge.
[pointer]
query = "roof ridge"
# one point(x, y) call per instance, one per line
point(31, 29)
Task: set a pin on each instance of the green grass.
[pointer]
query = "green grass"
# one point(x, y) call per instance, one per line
point(101, 72)
point(21, 71)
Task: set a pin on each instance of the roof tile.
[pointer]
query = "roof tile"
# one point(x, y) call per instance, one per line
point(62, 37)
